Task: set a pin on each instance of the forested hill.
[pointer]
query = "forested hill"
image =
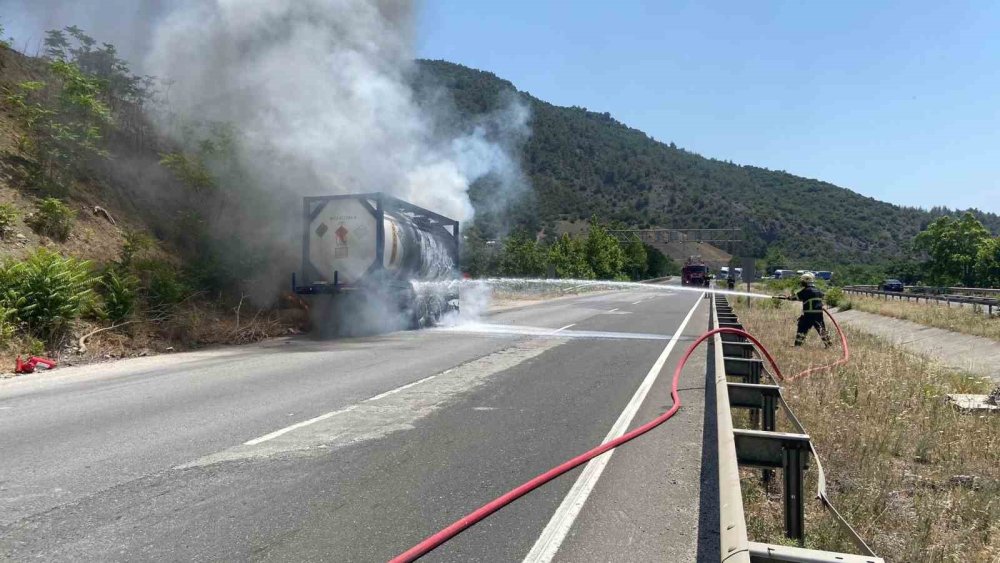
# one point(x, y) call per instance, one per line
point(583, 163)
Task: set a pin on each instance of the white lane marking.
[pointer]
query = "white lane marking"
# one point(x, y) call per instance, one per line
point(613, 310)
point(398, 389)
point(321, 417)
point(297, 425)
point(560, 329)
point(555, 531)
point(637, 302)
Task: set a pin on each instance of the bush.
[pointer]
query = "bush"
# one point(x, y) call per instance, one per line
point(834, 297)
point(135, 243)
point(46, 291)
point(120, 292)
point(161, 282)
point(7, 324)
point(8, 215)
point(53, 218)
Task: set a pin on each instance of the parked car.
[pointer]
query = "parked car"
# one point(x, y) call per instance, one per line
point(824, 275)
point(891, 285)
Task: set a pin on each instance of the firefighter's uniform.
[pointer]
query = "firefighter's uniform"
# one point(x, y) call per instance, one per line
point(812, 312)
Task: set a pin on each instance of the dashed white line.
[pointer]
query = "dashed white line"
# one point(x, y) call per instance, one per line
point(321, 417)
point(297, 425)
point(560, 329)
point(398, 389)
point(559, 525)
point(613, 310)
point(637, 302)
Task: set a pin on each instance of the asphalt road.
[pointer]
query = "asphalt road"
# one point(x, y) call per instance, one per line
point(353, 450)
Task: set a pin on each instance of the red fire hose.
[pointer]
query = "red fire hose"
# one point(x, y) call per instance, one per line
point(843, 360)
point(465, 522)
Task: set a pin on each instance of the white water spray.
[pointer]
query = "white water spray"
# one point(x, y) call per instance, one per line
point(477, 297)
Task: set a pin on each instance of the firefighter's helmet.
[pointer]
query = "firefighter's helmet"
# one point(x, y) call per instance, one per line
point(808, 277)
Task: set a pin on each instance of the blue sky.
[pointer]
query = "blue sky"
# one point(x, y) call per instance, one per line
point(896, 100)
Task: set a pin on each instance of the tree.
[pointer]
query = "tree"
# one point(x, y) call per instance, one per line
point(658, 265)
point(636, 261)
point(64, 120)
point(988, 263)
point(478, 255)
point(604, 252)
point(909, 272)
point(569, 259)
point(953, 247)
point(521, 256)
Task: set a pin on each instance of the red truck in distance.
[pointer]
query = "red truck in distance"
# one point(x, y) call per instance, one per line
point(694, 272)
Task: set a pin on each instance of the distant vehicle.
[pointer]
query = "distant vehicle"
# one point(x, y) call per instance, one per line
point(824, 275)
point(784, 274)
point(695, 272)
point(891, 285)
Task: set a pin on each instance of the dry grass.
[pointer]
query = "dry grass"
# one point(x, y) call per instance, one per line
point(966, 320)
point(919, 480)
point(191, 325)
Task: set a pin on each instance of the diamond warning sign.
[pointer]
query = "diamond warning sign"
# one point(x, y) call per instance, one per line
point(340, 250)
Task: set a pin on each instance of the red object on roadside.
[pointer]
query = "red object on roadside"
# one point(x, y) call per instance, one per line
point(33, 362)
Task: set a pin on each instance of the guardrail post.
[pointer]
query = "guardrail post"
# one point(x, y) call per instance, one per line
point(793, 469)
point(769, 423)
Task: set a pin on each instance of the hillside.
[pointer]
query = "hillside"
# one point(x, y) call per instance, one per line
point(581, 163)
point(99, 257)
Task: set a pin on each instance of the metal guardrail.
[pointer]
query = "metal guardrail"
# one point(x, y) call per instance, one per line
point(988, 302)
point(734, 357)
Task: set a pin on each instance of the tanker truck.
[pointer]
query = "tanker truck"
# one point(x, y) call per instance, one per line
point(372, 262)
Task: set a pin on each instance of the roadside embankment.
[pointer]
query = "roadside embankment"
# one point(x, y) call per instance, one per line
point(917, 478)
point(962, 352)
point(957, 318)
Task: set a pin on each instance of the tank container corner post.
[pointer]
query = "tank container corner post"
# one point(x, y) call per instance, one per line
point(307, 221)
point(379, 230)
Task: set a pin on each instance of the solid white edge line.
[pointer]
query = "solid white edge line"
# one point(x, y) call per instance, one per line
point(559, 525)
point(314, 420)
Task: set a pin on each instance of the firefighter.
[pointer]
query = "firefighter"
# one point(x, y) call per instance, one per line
point(812, 310)
point(731, 281)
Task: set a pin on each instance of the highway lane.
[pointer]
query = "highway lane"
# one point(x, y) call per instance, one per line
point(343, 450)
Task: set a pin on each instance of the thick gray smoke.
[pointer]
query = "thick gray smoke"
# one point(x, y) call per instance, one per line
point(319, 97)
point(320, 92)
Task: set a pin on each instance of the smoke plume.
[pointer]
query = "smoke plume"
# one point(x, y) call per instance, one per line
point(318, 98)
point(320, 92)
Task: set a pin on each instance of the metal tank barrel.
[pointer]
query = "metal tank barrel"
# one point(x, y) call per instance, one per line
point(349, 240)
